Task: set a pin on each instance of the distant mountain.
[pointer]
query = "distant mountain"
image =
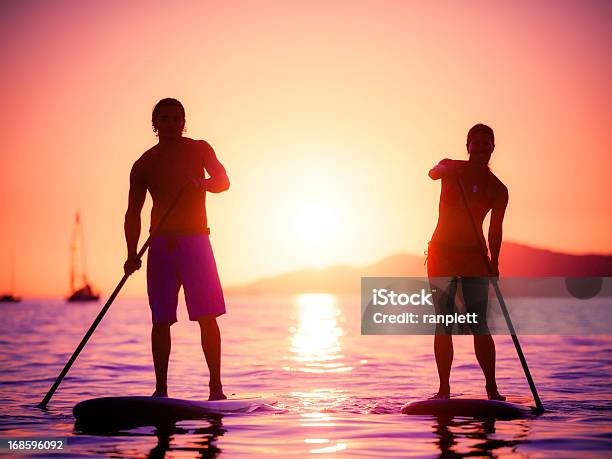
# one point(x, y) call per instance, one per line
point(517, 260)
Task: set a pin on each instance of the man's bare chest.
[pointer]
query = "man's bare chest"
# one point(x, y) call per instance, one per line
point(171, 172)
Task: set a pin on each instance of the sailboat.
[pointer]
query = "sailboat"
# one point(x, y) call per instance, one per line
point(85, 291)
point(10, 297)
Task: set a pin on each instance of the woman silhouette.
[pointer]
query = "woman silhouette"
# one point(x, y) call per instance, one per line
point(455, 254)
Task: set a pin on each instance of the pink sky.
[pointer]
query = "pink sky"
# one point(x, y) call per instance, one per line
point(323, 112)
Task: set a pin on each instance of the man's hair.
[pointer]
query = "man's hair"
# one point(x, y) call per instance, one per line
point(168, 102)
point(480, 128)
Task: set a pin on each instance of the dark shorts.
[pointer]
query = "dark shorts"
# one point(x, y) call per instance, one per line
point(450, 269)
point(188, 261)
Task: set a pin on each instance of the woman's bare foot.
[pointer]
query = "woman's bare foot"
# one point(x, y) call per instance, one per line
point(496, 396)
point(493, 394)
point(441, 395)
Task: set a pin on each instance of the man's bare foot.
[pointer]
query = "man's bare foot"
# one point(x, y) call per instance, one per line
point(216, 395)
point(160, 392)
point(216, 391)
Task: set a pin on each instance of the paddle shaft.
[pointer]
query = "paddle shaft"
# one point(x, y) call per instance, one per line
point(110, 300)
point(502, 303)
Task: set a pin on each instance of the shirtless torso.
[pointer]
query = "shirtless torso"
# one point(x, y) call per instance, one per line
point(163, 171)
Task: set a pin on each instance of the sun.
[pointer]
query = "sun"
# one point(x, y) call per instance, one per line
point(316, 223)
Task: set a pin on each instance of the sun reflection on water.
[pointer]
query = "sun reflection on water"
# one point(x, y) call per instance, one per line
point(316, 348)
point(315, 340)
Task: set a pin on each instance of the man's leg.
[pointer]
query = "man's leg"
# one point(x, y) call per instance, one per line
point(160, 344)
point(211, 345)
point(163, 286)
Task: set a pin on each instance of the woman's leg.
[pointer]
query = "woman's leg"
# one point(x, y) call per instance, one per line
point(444, 303)
point(443, 350)
point(476, 298)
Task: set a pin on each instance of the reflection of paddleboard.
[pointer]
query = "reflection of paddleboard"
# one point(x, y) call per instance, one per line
point(154, 410)
point(470, 407)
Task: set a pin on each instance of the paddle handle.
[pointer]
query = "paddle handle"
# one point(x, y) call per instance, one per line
point(107, 305)
point(502, 303)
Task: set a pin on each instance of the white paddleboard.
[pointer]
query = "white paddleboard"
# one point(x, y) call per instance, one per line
point(141, 410)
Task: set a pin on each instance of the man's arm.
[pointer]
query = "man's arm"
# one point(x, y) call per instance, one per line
point(136, 199)
point(447, 168)
point(495, 228)
point(218, 180)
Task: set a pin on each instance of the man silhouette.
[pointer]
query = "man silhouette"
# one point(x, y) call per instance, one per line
point(180, 252)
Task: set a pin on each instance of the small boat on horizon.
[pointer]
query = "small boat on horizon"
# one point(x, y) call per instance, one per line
point(9, 298)
point(86, 291)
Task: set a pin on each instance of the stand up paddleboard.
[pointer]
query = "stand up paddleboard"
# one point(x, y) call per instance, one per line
point(140, 410)
point(468, 407)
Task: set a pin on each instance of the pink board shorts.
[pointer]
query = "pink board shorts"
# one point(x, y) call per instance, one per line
point(185, 260)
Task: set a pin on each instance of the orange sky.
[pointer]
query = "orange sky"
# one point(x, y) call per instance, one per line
point(332, 113)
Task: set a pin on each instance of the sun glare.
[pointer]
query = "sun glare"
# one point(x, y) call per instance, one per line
point(316, 223)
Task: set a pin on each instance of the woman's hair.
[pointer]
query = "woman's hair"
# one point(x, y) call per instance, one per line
point(480, 128)
point(168, 102)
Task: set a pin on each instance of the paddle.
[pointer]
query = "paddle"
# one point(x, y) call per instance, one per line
point(110, 300)
point(502, 303)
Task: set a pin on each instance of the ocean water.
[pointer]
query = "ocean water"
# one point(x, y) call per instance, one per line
point(339, 393)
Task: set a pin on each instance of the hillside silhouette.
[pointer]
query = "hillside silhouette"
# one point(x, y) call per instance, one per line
point(516, 260)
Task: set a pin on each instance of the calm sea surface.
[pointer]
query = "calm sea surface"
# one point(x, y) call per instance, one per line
point(340, 393)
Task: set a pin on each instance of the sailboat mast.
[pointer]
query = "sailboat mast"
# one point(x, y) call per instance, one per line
point(73, 249)
point(83, 254)
point(12, 271)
